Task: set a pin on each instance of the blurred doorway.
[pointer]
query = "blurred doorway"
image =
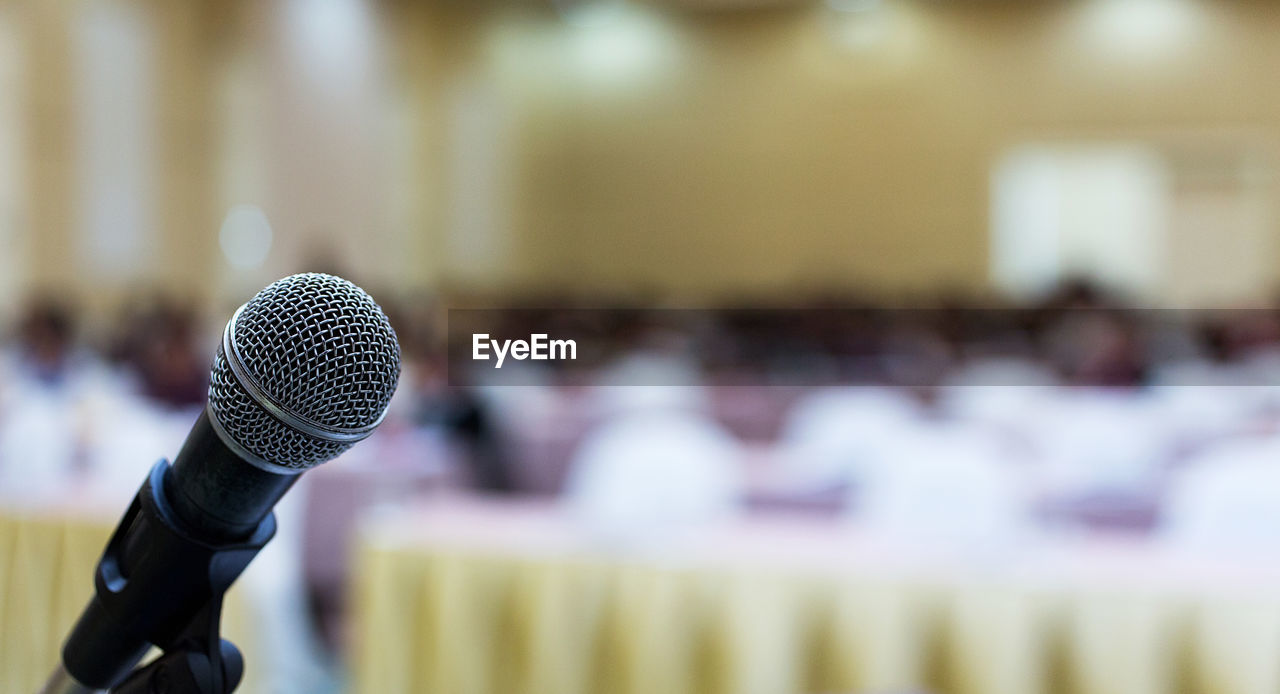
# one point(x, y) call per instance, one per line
point(1185, 224)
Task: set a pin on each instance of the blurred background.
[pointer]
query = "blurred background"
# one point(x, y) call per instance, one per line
point(1010, 420)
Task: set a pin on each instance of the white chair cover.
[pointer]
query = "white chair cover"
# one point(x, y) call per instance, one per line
point(38, 446)
point(996, 391)
point(1207, 401)
point(1093, 441)
point(647, 473)
point(834, 436)
point(949, 484)
point(1227, 499)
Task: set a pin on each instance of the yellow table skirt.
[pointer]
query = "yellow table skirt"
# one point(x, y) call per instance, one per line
point(445, 618)
point(46, 577)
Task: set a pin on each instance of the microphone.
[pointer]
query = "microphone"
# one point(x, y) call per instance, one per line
point(304, 371)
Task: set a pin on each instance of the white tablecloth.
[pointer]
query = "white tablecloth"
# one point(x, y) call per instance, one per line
point(477, 598)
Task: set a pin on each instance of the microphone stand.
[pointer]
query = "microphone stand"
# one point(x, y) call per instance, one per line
point(201, 663)
point(168, 592)
point(193, 667)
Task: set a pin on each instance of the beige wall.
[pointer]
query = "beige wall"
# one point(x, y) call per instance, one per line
point(752, 152)
point(767, 155)
point(184, 49)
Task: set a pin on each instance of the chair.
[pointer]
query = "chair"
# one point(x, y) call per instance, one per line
point(651, 472)
point(37, 446)
point(834, 436)
point(1101, 442)
point(1227, 499)
point(948, 484)
point(996, 391)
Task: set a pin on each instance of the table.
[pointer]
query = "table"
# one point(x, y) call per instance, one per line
point(47, 558)
point(471, 597)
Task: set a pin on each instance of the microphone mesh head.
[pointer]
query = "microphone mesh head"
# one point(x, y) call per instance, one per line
point(320, 349)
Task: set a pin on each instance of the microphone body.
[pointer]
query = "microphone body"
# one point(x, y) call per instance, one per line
point(215, 492)
point(305, 370)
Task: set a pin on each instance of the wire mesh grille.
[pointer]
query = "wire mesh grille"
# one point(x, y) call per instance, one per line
point(322, 349)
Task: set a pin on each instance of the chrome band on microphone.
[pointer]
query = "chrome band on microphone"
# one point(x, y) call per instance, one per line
point(238, 449)
point(269, 403)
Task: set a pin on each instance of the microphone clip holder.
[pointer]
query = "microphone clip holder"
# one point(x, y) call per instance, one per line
point(204, 663)
point(160, 584)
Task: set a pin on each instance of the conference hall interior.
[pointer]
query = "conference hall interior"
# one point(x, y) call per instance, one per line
point(917, 346)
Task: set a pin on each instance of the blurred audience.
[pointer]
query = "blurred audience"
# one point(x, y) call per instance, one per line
point(941, 424)
point(997, 369)
point(156, 344)
point(45, 347)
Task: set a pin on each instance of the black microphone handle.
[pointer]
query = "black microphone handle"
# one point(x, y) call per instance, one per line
point(215, 491)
